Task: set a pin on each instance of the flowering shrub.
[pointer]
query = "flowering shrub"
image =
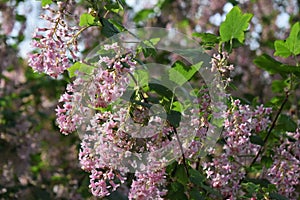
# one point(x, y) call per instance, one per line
point(166, 133)
point(91, 106)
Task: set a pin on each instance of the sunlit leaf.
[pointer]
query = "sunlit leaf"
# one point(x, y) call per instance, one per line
point(235, 25)
point(46, 2)
point(281, 49)
point(291, 45)
point(86, 19)
point(79, 67)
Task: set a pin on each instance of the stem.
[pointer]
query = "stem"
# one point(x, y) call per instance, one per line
point(172, 100)
point(198, 164)
point(106, 14)
point(77, 34)
point(182, 153)
point(296, 60)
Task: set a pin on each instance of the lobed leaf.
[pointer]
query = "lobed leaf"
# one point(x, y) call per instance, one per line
point(281, 49)
point(235, 25)
point(291, 45)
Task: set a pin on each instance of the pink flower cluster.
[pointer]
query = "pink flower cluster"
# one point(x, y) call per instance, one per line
point(55, 43)
point(146, 186)
point(111, 137)
point(219, 63)
point(102, 88)
point(102, 143)
point(106, 142)
point(202, 123)
point(285, 170)
point(100, 154)
point(226, 169)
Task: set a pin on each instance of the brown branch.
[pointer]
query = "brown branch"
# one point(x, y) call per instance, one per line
point(271, 128)
point(182, 152)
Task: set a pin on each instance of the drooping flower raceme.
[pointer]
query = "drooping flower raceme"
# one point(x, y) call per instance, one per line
point(146, 186)
point(55, 43)
point(226, 169)
point(285, 170)
point(91, 106)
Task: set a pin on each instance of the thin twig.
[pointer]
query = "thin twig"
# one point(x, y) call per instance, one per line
point(271, 128)
point(182, 152)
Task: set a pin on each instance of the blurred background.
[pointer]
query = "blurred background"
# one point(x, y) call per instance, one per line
point(36, 161)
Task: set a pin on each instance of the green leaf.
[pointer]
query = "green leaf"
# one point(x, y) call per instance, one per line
point(207, 37)
point(143, 15)
point(154, 41)
point(235, 25)
point(267, 161)
point(46, 2)
point(113, 7)
point(174, 118)
point(196, 177)
point(234, 43)
point(211, 190)
point(122, 3)
point(148, 46)
point(279, 86)
point(281, 49)
point(177, 106)
point(161, 90)
point(81, 67)
point(291, 45)
point(271, 65)
point(176, 192)
point(142, 77)
point(285, 123)
point(196, 195)
point(86, 19)
point(119, 26)
point(251, 188)
point(180, 74)
point(181, 175)
point(256, 139)
point(170, 168)
point(261, 182)
point(108, 29)
point(208, 40)
point(277, 196)
point(275, 101)
point(148, 51)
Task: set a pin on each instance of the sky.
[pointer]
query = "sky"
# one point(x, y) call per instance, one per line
point(33, 8)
